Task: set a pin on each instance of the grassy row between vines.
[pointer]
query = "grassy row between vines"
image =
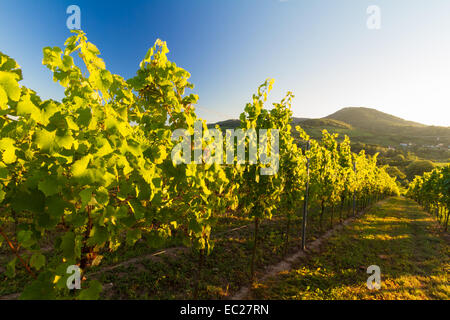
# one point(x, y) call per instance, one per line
point(406, 243)
point(170, 270)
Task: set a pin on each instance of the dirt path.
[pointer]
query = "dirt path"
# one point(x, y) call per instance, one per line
point(397, 235)
point(286, 264)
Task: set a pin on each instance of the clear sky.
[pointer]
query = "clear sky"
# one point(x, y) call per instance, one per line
point(320, 50)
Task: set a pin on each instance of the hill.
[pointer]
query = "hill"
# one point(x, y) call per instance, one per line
point(378, 122)
point(304, 122)
point(387, 130)
point(367, 126)
point(371, 119)
point(226, 124)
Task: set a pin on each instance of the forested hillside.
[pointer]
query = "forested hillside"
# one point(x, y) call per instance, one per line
point(407, 147)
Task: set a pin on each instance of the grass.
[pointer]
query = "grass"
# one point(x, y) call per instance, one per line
point(404, 241)
point(389, 236)
point(135, 273)
point(224, 271)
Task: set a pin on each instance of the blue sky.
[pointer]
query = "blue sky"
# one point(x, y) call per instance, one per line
point(320, 50)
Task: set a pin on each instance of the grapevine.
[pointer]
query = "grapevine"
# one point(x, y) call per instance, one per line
point(99, 169)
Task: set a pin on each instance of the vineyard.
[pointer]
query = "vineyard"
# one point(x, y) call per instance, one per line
point(94, 181)
point(432, 191)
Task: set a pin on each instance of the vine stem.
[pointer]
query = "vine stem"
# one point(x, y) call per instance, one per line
point(13, 249)
point(86, 249)
point(252, 266)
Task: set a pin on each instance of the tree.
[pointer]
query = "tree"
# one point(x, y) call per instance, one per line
point(418, 168)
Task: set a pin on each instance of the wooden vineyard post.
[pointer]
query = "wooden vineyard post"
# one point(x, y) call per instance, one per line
point(305, 203)
point(354, 192)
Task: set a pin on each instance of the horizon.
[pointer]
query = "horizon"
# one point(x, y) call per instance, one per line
point(299, 117)
point(326, 57)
